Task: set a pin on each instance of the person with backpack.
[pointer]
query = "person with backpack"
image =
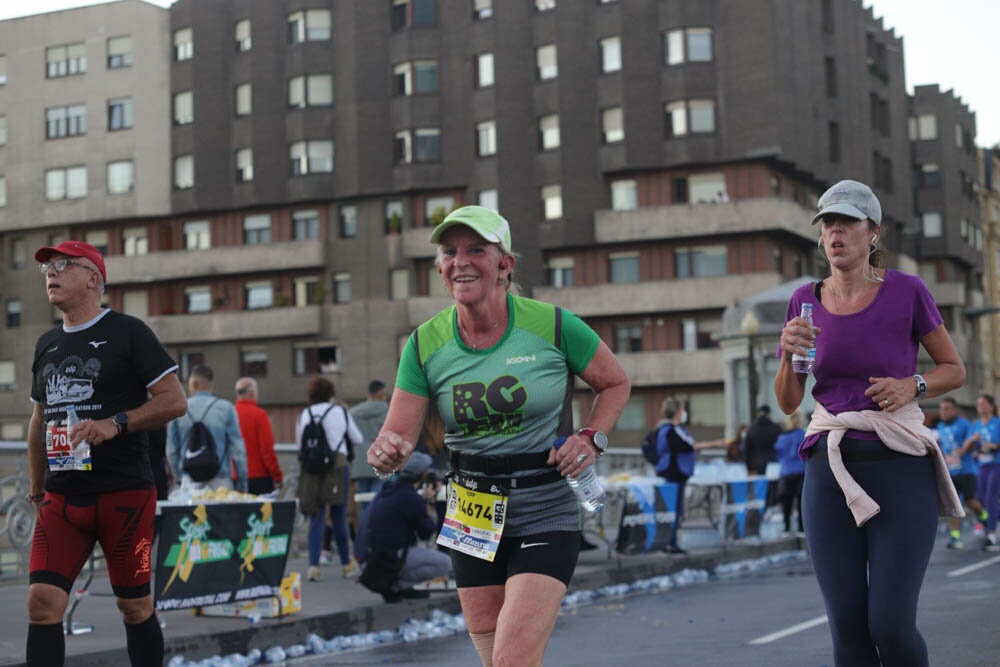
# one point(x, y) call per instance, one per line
point(205, 445)
point(675, 458)
point(327, 436)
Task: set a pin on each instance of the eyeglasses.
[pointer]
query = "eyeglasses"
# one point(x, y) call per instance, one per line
point(60, 265)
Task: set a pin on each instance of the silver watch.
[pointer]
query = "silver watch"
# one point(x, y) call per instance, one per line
point(921, 387)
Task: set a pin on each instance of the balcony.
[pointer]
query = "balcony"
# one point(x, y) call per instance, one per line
point(237, 325)
point(417, 243)
point(224, 260)
point(659, 295)
point(674, 367)
point(419, 309)
point(684, 220)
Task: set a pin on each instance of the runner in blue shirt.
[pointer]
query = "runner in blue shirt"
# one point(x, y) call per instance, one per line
point(985, 435)
point(960, 453)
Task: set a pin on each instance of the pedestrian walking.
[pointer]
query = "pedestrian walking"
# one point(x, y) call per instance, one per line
point(793, 469)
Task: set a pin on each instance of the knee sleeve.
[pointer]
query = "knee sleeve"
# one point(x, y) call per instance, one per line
point(483, 641)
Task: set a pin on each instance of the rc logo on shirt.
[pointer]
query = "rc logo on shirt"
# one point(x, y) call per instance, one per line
point(496, 408)
point(72, 381)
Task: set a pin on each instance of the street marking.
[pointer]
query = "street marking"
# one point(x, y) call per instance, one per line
point(972, 568)
point(781, 634)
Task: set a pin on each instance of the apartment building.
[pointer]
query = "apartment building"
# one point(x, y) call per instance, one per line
point(658, 161)
point(989, 208)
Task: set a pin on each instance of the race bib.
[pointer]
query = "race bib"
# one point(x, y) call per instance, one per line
point(475, 518)
point(61, 454)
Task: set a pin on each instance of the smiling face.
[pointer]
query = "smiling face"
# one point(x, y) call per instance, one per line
point(70, 286)
point(847, 241)
point(470, 265)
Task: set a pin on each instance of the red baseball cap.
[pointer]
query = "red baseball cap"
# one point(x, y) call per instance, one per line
point(74, 249)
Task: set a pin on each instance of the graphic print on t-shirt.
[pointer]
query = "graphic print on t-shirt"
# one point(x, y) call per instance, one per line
point(72, 381)
point(496, 408)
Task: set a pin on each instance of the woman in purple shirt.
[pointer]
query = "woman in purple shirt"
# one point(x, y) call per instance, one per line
point(868, 325)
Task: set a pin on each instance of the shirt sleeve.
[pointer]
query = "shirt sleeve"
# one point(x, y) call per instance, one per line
point(926, 317)
point(410, 376)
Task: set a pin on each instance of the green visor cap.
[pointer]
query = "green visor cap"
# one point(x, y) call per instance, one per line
point(488, 224)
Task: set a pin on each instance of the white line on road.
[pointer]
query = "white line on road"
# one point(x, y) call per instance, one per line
point(781, 634)
point(972, 568)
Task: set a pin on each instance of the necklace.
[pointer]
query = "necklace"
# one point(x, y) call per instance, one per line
point(468, 337)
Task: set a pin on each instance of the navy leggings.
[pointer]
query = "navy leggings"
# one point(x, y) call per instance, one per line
point(871, 576)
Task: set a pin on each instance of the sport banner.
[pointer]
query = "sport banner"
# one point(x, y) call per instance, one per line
point(647, 517)
point(214, 553)
point(744, 505)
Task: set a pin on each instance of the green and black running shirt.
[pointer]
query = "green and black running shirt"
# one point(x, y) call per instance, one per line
point(512, 398)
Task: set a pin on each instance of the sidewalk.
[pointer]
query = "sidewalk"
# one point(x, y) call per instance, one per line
point(334, 606)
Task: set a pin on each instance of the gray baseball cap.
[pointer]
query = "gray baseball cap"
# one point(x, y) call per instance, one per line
point(850, 198)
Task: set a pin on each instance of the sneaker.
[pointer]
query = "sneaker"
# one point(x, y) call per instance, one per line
point(314, 573)
point(978, 530)
point(350, 570)
point(324, 557)
point(991, 543)
point(955, 543)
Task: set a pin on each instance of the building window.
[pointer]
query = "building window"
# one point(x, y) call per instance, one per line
point(121, 177)
point(3, 70)
point(489, 199)
point(257, 229)
point(689, 334)
point(348, 222)
point(244, 99)
point(623, 267)
point(707, 188)
point(3, 129)
point(545, 62)
point(394, 216)
point(690, 117)
point(119, 113)
point(628, 338)
point(198, 299)
point(688, 45)
point(413, 13)
point(930, 175)
point(425, 145)
point(258, 294)
point(65, 60)
point(436, 209)
point(552, 208)
point(831, 77)
point(548, 132)
point(545, 5)
point(253, 361)
point(486, 138)
point(399, 284)
point(65, 183)
point(612, 125)
point(120, 52)
point(19, 253)
point(482, 9)
point(310, 90)
point(135, 242)
point(311, 157)
point(197, 235)
point(923, 127)
point(244, 165)
point(183, 44)
point(305, 225)
point(68, 121)
point(611, 54)
point(624, 195)
point(136, 303)
point(931, 224)
point(241, 33)
point(484, 70)
point(342, 287)
point(700, 261)
point(307, 292)
point(560, 270)
point(183, 172)
point(183, 107)
point(833, 150)
point(13, 313)
point(99, 239)
point(312, 25)
point(310, 358)
point(3, 190)
point(420, 76)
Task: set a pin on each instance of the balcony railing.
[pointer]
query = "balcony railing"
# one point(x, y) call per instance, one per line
point(675, 367)
point(237, 325)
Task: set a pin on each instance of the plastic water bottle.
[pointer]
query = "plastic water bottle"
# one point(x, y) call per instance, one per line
point(82, 451)
point(587, 486)
point(804, 364)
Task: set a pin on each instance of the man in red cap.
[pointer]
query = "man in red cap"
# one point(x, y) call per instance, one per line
point(91, 481)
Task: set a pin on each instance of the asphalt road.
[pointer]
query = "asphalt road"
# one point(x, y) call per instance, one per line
point(772, 617)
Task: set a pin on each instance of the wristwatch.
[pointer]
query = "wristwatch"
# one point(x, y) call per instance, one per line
point(921, 387)
point(121, 423)
point(599, 439)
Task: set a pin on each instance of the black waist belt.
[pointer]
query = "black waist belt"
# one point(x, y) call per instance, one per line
point(855, 450)
point(527, 482)
point(499, 466)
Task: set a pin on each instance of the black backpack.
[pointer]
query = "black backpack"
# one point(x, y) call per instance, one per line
point(315, 455)
point(201, 460)
point(649, 446)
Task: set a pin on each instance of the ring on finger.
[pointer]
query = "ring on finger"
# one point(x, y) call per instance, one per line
point(581, 458)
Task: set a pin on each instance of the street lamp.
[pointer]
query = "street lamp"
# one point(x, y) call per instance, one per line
point(750, 326)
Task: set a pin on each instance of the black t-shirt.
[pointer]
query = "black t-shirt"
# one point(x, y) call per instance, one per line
point(103, 367)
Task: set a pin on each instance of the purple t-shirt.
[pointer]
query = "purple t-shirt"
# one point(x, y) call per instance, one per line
point(881, 340)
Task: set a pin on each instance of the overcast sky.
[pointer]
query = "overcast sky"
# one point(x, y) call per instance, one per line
point(952, 44)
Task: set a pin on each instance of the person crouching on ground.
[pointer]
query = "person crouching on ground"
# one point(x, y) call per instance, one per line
point(396, 518)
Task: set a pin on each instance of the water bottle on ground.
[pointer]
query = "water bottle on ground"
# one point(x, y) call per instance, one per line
point(587, 486)
point(804, 364)
point(81, 454)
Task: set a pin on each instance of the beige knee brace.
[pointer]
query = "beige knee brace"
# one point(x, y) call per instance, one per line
point(483, 641)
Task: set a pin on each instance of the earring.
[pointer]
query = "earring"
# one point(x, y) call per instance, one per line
point(819, 242)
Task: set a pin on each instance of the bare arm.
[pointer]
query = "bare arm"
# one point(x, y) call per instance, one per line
point(400, 431)
point(166, 402)
point(789, 386)
point(948, 374)
point(37, 463)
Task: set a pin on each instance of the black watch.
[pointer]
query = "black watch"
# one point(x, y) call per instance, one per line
point(921, 387)
point(121, 423)
point(599, 439)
